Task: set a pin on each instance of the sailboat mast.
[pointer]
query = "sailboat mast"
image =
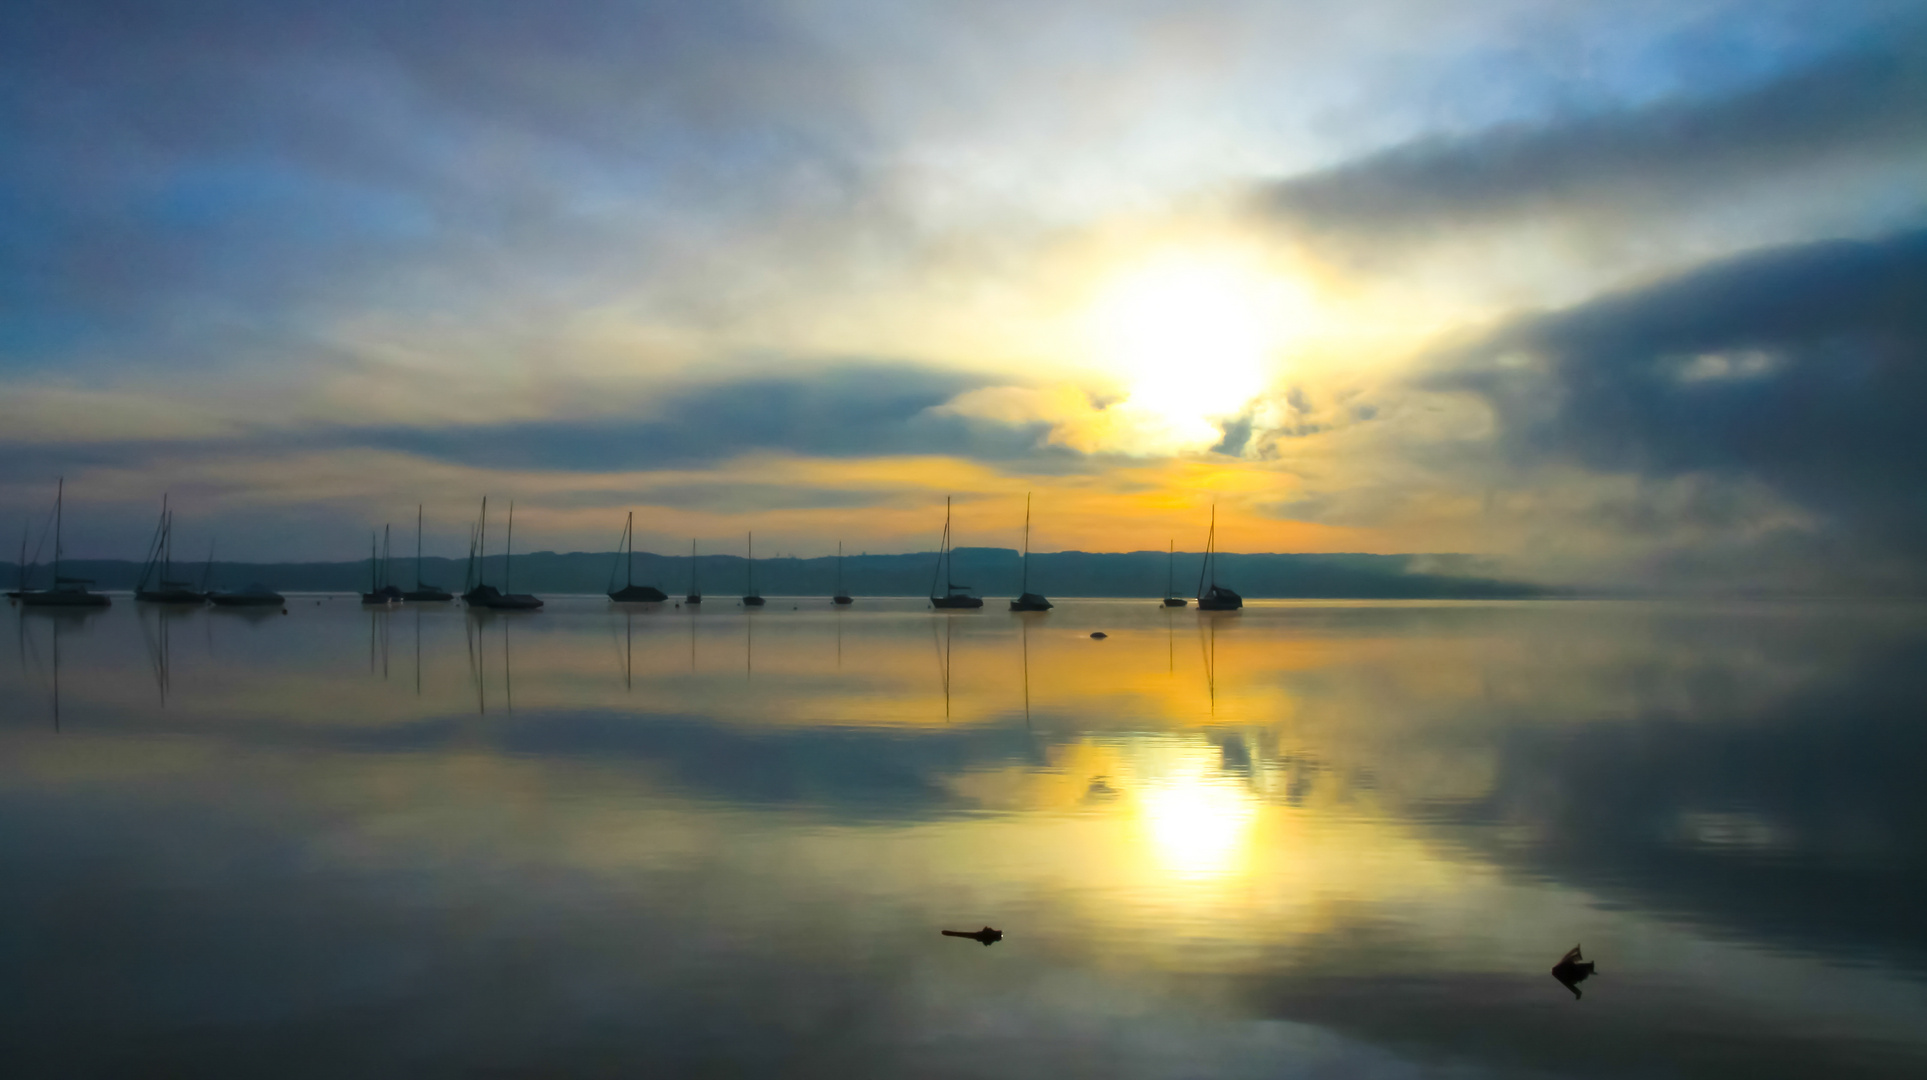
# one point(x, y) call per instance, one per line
point(630, 532)
point(949, 559)
point(60, 498)
point(839, 563)
point(418, 545)
point(508, 549)
point(1210, 541)
point(481, 563)
point(693, 590)
point(374, 564)
point(750, 566)
point(1026, 585)
point(384, 553)
point(1170, 566)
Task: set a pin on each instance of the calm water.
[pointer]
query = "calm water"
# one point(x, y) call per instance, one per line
point(1307, 839)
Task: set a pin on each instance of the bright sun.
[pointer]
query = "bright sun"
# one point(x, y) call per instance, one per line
point(1194, 337)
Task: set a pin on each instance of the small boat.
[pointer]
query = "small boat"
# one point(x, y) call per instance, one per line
point(475, 592)
point(841, 597)
point(379, 589)
point(159, 568)
point(1027, 600)
point(631, 593)
point(68, 592)
point(423, 592)
point(1171, 597)
point(954, 596)
point(508, 600)
point(751, 598)
point(1216, 597)
point(254, 594)
point(695, 587)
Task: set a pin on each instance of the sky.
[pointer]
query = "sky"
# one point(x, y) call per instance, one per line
point(1613, 294)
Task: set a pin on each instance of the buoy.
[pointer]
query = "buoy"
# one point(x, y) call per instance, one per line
point(1099, 635)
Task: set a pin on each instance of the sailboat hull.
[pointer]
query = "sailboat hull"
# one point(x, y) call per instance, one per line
point(693, 598)
point(64, 598)
point(1030, 601)
point(1176, 601)
point(752, 601)
point(512, 602)
point(638, 594)
point(956, 602)
point(841, 601)
point(1218, 598)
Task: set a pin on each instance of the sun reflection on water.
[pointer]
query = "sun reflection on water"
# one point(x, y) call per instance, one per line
point(1198, 824)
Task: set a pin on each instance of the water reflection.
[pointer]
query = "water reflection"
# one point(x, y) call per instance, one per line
point(1348, 836)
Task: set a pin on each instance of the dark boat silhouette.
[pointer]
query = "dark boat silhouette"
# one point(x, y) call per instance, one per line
point(67, 592)
point(988, 935)
point(631, 593)
point(379, 590)
point(1027, 600)
point(841, 597)
point(423, 592)
point(1171, 597)
point(477, 592)
point(750, 597)
point(254, 594)
point(508, 600)
point(157, 571)
point(954, 595)
point(1571, 970)
point(1216, 597)
point(695, 585)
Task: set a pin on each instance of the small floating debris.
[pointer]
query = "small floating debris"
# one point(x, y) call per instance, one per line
point(1099, 635)
point(1571, 970)
point(987, 935)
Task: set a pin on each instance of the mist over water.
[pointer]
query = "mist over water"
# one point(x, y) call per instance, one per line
point(1303, 839)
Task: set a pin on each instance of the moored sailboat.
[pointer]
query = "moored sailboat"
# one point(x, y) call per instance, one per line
point(954, 596)
point(1171, 597)
point(423, 592)
point(695, 585)
point(508, 600)
point(631, 593)
point(380, 591)
point(1216, 597)
point(841, 598)
point(750, 597)
point(67, 592)
point(1027, 600)
point(159, 568)
point(479, 592)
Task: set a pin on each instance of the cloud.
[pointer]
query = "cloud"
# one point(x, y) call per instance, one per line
point(1800, 371)
point(1864, 105)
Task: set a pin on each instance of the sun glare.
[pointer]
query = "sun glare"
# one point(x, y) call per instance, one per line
point(1194, 338)
point(1198, 825)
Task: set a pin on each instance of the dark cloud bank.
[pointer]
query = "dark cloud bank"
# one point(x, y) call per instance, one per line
point(1800, 368)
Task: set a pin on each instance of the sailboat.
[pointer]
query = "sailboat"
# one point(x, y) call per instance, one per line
point(160, 559)
point(379, 589)
point(480, 593)
point(631, 592)
point(423, 592)
point(751, 599)
point(506, 600)
point(67, 591)
point(954, 595)
point(1027, 600)
point(841, 597)
point(695, 587)
point(1171, 597)
point(1217, 597)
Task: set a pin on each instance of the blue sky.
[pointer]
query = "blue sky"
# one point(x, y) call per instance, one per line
point(304, 266)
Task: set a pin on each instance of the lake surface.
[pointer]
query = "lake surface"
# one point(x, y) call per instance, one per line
point(1308, 839)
